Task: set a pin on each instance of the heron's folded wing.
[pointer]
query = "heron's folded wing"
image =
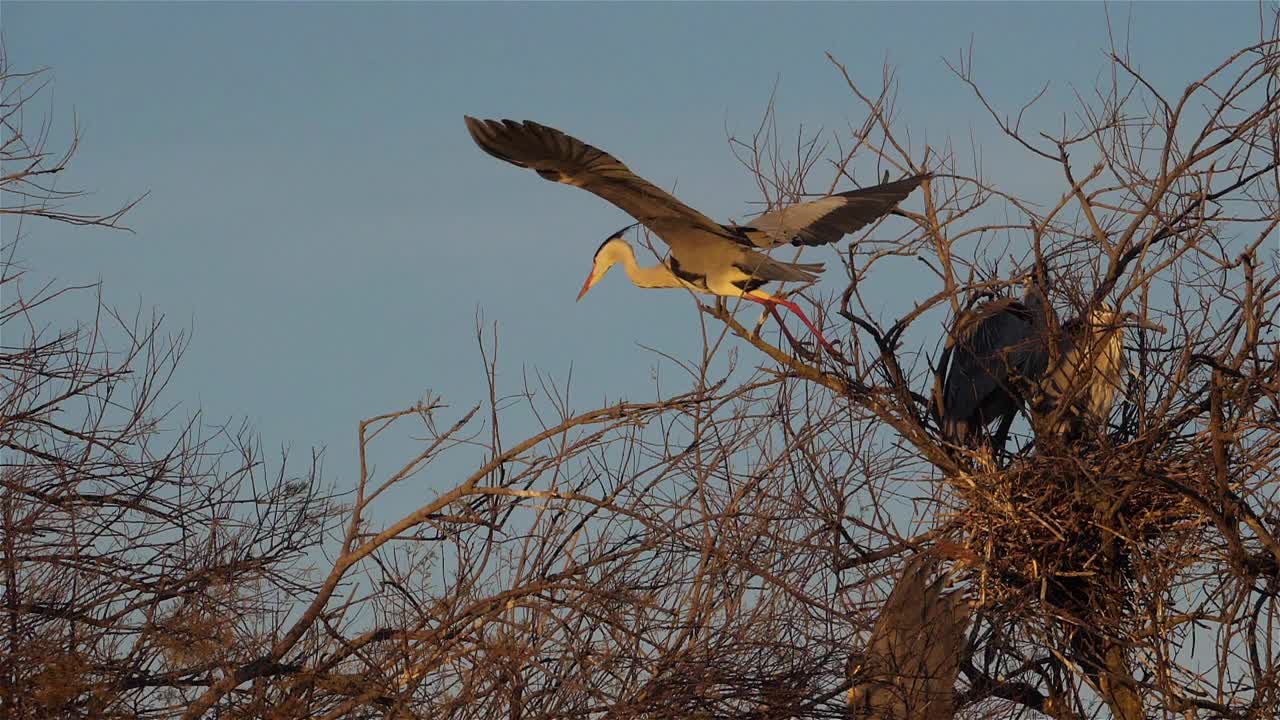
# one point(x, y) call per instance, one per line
point(988, 345)
point(563, 158)
point(827, 219)
point(913, 656)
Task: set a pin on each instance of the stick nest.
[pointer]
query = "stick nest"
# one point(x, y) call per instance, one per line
point(1060, 528)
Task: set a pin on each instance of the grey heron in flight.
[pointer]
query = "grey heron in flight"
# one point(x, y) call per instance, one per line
point(909, 668)
point(1000, 357)
point(706, 256)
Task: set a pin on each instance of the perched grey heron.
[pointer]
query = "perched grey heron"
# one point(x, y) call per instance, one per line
point(706, 256)
point(1094, 349)
point(909, 669)
point(994, 356)
point(1000, 357)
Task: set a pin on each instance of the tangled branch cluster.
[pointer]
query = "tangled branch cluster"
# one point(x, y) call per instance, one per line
point(724, 550)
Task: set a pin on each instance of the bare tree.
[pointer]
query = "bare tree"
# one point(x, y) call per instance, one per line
point(722, 549)
point(141, 548)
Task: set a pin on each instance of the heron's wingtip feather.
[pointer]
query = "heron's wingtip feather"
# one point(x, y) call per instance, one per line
point(495, 137)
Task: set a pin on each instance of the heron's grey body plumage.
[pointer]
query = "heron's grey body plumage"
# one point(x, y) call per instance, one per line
point(909, 668)
point(1093, 349)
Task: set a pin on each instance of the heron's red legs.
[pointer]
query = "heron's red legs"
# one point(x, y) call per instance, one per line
point(769, 301)
point(773, 310)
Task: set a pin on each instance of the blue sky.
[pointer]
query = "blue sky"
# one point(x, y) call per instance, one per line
point(321, 220)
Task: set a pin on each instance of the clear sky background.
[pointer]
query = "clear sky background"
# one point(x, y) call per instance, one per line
point(320, 218)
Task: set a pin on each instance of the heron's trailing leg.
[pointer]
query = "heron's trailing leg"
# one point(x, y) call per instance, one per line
point(812, 328)
point(1001, 437)
point(770, 301)
point(773, 310)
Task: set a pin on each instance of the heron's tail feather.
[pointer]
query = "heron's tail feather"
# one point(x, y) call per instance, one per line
point(766, 268)
point(810, 270)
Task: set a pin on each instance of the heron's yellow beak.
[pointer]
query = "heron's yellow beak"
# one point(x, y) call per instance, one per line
point(1137, 320)
point(591, 280)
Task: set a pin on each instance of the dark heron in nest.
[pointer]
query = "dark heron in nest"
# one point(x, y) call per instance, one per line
point(1000, 357)
point(994, 356)
point(909, 669)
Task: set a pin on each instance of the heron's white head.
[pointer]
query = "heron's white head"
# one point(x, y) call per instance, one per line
point(611, 252)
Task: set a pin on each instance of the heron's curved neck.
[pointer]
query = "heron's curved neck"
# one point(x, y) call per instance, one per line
point(657, 276)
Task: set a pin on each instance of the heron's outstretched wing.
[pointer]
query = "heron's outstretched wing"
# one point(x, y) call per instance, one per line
point(827, 219)
point(562, 158)
point(912, 660)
